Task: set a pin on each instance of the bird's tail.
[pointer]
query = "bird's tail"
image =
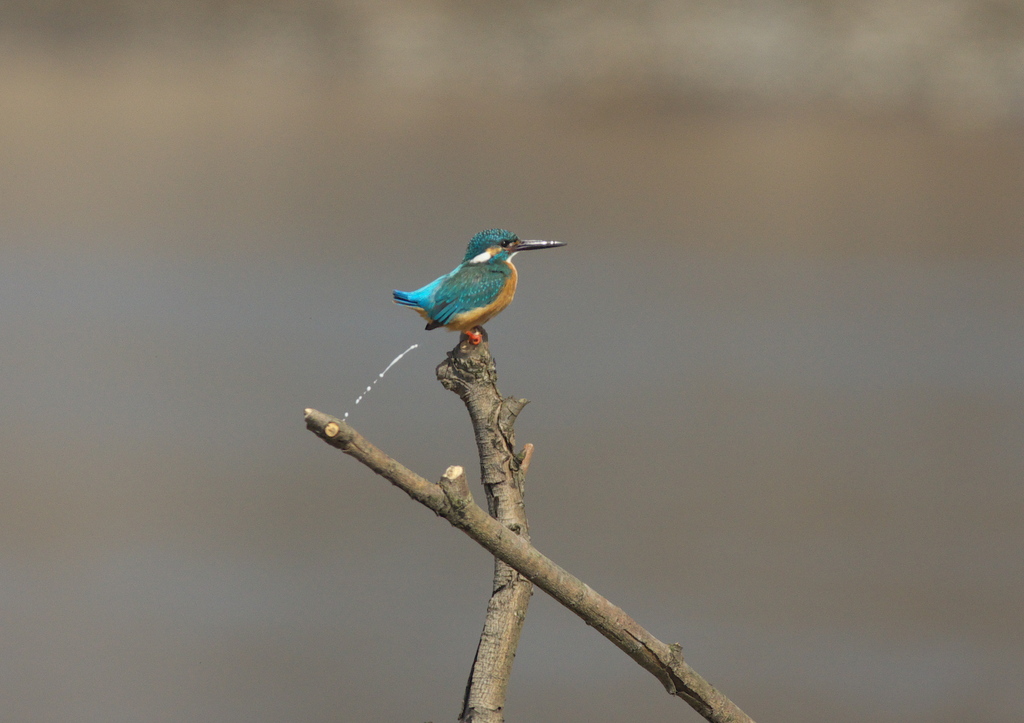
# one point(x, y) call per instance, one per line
point(405, 298)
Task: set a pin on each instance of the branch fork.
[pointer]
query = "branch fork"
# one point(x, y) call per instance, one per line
point(469, 371)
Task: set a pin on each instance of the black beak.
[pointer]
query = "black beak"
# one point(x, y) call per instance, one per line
point(532, 245)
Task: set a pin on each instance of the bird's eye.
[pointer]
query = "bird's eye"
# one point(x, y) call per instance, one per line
point(506, 243)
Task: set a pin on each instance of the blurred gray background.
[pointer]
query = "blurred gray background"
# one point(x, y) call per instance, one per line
point(777, 374)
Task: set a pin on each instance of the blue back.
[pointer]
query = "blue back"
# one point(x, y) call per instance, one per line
point(469, 286)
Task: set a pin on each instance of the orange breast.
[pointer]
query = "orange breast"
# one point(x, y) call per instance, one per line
point(469, 319)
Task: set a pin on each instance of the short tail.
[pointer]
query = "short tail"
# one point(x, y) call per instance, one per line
point(405, 298)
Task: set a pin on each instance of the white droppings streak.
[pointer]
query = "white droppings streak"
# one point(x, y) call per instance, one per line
point(381, 375)
point(395, 361)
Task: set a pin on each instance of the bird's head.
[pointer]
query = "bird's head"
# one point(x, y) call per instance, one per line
point(497, 244)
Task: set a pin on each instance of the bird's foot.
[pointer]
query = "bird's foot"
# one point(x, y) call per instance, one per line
point(474, 336)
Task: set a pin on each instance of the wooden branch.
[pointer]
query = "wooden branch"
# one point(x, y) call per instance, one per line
point(469, 371)
point(452, 500)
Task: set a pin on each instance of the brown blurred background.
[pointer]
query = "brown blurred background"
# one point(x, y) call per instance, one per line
point(777, 374)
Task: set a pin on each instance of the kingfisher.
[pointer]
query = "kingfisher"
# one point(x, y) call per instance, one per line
point(477, 289)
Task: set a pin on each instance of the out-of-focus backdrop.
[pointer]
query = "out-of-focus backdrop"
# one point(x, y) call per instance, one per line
point(777, 375)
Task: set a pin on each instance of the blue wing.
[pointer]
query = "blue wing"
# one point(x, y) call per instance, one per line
point(468, 287)
point(473, 287)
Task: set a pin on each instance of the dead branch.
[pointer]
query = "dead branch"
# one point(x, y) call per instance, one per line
point(452, 500)
point(469, 371)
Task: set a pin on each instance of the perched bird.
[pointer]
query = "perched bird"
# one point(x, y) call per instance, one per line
point(477, 289)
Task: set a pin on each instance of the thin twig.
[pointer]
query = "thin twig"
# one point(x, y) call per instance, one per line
point(452, 500)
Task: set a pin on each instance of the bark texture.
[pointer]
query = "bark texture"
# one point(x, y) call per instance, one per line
point(452, 500)
point(469, 371)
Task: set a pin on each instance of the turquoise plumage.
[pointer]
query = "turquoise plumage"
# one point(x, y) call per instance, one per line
point(477, 289)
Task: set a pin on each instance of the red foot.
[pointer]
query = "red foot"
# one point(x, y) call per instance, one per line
point(475, 337)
